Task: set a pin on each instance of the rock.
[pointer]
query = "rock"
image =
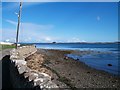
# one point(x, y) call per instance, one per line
point(20, 62)
point(33, 76)
point(109, 64)
point(50, 85)
point(26, 75)
point(77, 59)
point(42, 75)
point(22, 69)
point(52, 78)
point(40, 81)
point(15, 55)
point(37, 81)
point(28, 69)
point(44, 81)
point(88, 72)
point(66, 57)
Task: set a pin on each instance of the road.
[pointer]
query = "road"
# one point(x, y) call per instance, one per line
point(4, 53)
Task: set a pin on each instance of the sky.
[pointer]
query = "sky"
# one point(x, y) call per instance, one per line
point(61, 22)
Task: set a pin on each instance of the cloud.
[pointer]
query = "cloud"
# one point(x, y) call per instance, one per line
point(48, 39)
point(15, 5)
point(25, 36)
point(11, 22)
point(98, 18)
point(8, 33)
point(74, 39)
point(31, 26)
point(29, 32)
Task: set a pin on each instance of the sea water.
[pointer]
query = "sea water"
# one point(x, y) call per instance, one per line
point(103, 55)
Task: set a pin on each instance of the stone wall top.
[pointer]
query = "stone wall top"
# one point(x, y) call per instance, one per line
point(22, 52)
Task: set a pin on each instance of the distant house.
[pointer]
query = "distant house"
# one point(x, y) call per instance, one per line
point(6, 43)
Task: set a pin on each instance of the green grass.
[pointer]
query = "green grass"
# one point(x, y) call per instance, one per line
point(2, 47)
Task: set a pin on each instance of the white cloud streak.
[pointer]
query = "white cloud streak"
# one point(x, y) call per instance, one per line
point(29, 32)
point(15, 5)
point(32, 26)
point(11, 22)
point(75, 39)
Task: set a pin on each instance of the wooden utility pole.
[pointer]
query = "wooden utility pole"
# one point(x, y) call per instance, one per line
point(18, 26)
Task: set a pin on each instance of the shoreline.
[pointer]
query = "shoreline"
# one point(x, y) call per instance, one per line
point(70, 73)
point(81, 53)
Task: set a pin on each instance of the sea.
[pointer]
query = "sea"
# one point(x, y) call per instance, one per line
point(106, 57)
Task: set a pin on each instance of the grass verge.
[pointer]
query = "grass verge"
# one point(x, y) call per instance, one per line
point(2, 47)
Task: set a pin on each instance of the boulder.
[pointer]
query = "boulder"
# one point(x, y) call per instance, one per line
point(21, 69)
point(109, 64)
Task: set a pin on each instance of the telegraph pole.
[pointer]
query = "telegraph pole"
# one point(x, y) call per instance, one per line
point(18, 26)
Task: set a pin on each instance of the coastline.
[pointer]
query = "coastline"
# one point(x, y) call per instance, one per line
point(69, 73)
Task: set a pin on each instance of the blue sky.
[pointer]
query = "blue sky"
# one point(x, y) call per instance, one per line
point(61, 22)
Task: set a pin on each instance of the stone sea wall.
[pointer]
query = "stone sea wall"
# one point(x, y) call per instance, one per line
point(22, 76)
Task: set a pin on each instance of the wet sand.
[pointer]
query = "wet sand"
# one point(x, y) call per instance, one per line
point(69, 73)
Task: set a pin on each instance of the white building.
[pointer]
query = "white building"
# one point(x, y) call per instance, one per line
point(6, 43)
